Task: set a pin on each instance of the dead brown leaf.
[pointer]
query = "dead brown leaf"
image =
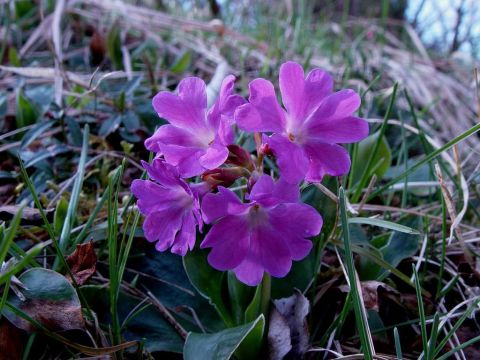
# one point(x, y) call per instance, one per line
point(83, 262)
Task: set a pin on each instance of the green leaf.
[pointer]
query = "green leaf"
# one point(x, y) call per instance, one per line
point(27, 113)
point(240, 297)
point(60, 215)
point(207, 281)
point(299, 277)
point(110, 125)
point(182, 63)
point(401, 245)
point(7, 239)
point(21, 264)
point(13, 58)
point(254, 309)
point(222, 345)
point(384, 224)
point(381, 162)
point(50, 299)
point(35, 132)
point(359, 310)
point(114, 47)
point(148, 324)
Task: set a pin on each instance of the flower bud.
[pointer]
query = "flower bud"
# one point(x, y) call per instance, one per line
point(223, 176)
point(240, 157)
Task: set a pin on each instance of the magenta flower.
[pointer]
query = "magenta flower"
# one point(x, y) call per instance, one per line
point(263, 235)
point(306, 135)
point(171, 207)
point(195, 139)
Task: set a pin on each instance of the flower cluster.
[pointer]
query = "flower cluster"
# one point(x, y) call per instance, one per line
point(259, 225)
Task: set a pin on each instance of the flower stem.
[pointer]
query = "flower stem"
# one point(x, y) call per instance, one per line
point(266, 294)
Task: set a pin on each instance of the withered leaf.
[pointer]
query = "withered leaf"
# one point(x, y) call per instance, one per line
point(370, 293)
point(83, 262)
point(288, 331)
point(29, 215)
point(49, 299)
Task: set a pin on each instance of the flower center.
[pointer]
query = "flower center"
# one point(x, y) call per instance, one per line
point(291, 137)
point(257, 215)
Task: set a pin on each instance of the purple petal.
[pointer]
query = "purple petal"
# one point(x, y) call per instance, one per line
point(338, 105)
point(163, 226)
point(225, 202)
point(186, 110)
point(215, 156)
point(346, 130)
point(301, 97)
point(331, 159)
point(169, 134)
point(262, 188)
point(274, 253)
point(163, 173)
point(225, 104)
point(229, 241)
point(250, 270)
point(267, 193)
point(295, 222)
point(185, 239)
point(152, 197)
point(262, 113)
point(291, 159)
point(286, 192)
point(184, 158)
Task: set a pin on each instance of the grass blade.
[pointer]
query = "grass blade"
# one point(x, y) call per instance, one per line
point(10, 235)
point(427, 159)
point(368, 167)
point(398, 346)
point(77, 188)
point(421, 311)
point(384, 224)
point(361, 320)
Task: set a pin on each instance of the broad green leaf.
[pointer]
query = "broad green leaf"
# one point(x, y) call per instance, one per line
point(114, 46)
point(255, 307)
point(27, 113)
point(222, 345)
point(422, 174)
point(50, 299)
point(60, 215)
point(207, 281)
point(381, 160)
point(299, 277)
point(35, 132)
point(401, 245)
point(182, 63)
point(110, 125)
point(240, 297)
point(21, 264)
point(13, 58)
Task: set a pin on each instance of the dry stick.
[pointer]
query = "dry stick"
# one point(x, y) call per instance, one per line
point(57, 38)
point(383, 208)
point(449, 202)
point(372, 182)
point(166, 314)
